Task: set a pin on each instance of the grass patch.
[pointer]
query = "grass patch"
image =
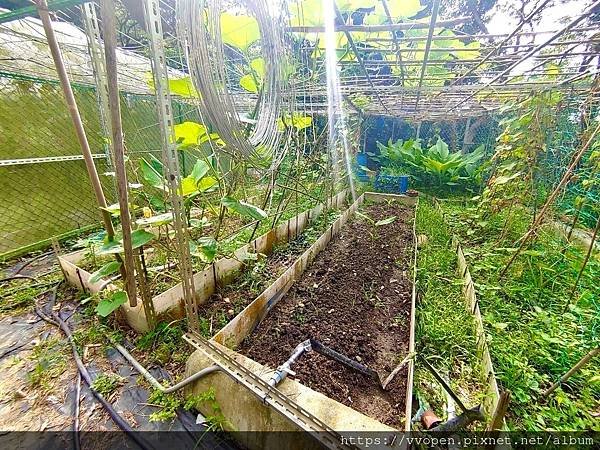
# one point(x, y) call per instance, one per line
point(50, 361)
point(18, 296)
point(535, 332)
point(445, 329)
point(106, 384)
point(164, 344)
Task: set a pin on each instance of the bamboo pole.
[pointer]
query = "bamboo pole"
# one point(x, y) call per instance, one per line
point(573, 370)
point(42, 8)
point(110, 53)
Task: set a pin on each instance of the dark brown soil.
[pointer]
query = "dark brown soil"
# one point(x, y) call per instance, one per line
point(354, 298)
point(230, 300)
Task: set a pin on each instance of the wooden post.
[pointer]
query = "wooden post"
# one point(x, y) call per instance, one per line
point(499, 412)
point(582, 362)
point(110, 45)
point(42, 8)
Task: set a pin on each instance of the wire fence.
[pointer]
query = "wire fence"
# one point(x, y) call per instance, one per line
point(44, 187)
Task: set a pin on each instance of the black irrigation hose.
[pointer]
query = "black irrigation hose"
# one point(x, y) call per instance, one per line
point(54, 319)
point(29, 261)
point(17, 277)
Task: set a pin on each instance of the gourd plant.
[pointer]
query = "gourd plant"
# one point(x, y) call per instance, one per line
point(154, 218)
point(518, 151)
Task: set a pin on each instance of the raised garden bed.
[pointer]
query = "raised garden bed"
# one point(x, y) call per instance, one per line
point(219, 273)
point(231, 299)
point(356, 297)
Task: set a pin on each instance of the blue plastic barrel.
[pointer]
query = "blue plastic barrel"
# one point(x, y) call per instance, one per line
point(362, 159)
point(391, 184)
point(403, 183)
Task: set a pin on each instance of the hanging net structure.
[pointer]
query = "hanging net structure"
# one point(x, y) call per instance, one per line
point(251, 77)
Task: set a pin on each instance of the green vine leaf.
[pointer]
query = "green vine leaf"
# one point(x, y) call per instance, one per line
point(189, 133)
point(105, 270)
point(240, 31)
point(155, 221)
point(386, 221)
point(151, 175)
point(205, 249)
point(140, 238)
point(248, 83)
point(108, 305)
point(243, 208)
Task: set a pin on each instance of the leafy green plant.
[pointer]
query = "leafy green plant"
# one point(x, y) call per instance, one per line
point(111, 303)
point(106, 384)
point(107, 269)
point(243, 208)
point(216, 420)
point(49, 362)
point(535, 335)
point(435, 167)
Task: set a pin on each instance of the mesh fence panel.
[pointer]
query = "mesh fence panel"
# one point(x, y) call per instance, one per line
point(41, 199)
point(51, 196)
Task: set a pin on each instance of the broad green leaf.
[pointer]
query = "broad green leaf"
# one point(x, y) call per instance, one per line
point(189, 133)
point(442, 148)
point(245, 255)
point(112, 247)
point(306, 12)
point(108, 305)
point(258, 65)
point(506, 178)
point(296, 120)
point(240, 31)
point(199, 223)
point(199, 170)
point(212, 137)
point(248, 83)
point(106, 269)
point(114, 209)
point(151, 175)
point(156, 221)
point(183, 87)
point(178, 86)
point(205, 248)
point(243, 208)
point(188, 186)
point(206, 183)
point(140, 237)
point(385, 221)
point(471, 51)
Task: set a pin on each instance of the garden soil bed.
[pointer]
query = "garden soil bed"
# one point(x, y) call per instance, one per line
point(355, 298)
point(227, 302)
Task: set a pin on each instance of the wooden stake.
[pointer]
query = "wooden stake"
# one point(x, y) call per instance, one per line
point(110, 53)
point(582, 362)
point(500, 411)
point(42, 8)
